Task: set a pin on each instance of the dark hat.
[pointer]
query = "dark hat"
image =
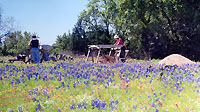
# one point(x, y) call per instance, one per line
point(34, 36)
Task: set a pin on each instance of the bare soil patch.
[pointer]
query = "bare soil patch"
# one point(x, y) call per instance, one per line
point(175, 59)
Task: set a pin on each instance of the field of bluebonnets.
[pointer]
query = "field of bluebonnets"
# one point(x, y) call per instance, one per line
point(80, 86)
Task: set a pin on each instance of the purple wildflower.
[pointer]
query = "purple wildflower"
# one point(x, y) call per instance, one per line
point(20, 109)
point(116, 102)
point(134, 107)
point(157, 110)
point(79, 105)
point(59, 110)
point(30, 92)
point(34, 99)
point(11, 110)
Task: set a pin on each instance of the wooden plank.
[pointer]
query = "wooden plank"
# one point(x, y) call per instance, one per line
point(105, 46)
point(110, 46)
point(93, 46)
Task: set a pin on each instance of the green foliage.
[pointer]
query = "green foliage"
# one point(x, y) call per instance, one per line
point(16, 43)
point(150, 28)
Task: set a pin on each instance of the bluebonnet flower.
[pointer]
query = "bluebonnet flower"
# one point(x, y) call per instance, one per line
point(187, 109)
point(153, 104)
point(38, 108)
point(157, 98)
point(79, 105)
point(111, 102)
point(164, 95)
point(20, 109)
point(197, 90)
point(172, 90)
point(59, 78)
point(91, 91)
point(63, 84)
point(68, 86)
point(34, 99)
point(35, 90)
point(51, 78)
point(103, 104)
point(23, 81)
point(83, 105)
point(78, 76)
point(180, 89)
point(74, 84)
point(57, 87)
point(134, 107)
point(107, 83)
point(127, 91)
point(11, 110)
point(45, 91)
point(72, 106)
point(59, 110)
point(30, 92)
point(116, 102)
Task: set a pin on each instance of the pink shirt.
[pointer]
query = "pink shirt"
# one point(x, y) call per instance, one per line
point(119, 42)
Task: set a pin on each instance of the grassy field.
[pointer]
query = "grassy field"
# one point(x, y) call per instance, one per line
point(79, 86)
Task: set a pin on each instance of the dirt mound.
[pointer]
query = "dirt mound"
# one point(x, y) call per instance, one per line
point(175, 59)
point(106, 59)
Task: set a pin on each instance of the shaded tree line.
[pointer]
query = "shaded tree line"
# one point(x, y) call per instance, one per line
point(150, 28)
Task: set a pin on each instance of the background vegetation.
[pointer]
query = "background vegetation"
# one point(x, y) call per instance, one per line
point(149, 28)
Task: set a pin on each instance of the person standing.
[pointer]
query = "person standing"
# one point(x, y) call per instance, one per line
point(34, 44)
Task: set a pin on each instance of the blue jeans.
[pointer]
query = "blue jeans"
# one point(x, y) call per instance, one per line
point(35, 55)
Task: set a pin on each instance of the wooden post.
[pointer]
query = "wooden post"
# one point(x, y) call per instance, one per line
point(92, 51)
point(110, 51)
point(119, 55)
point(98, 55)
point(88, 55)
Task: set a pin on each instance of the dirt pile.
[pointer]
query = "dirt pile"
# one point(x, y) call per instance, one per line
point(106, 59)
point(175, 59)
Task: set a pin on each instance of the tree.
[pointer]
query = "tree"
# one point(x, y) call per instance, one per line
point(150, 28)
point(16, 43)
point(6, 27)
